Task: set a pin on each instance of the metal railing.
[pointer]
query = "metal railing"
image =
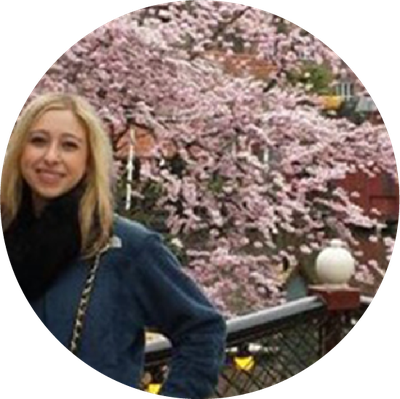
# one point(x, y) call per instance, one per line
point(269, 346)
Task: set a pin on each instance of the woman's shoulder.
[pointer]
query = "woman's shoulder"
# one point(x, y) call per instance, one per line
point(130, 233)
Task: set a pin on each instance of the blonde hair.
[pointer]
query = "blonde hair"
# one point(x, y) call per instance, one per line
point(96, 203)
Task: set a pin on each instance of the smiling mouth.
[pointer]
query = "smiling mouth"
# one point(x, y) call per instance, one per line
point(49, 176)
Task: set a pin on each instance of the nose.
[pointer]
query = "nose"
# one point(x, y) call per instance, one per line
point(52, 154)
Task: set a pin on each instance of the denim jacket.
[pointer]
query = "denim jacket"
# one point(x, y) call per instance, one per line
point(139, 284)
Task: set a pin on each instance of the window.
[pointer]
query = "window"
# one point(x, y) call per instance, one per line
point(345, 90)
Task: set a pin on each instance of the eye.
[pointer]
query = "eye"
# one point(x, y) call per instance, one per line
point(70, 145)
point(38, 140)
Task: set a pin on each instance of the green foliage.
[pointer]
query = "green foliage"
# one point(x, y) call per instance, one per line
point(216, 184)
point(144, 209)
point(282, 26)
point(315, 78)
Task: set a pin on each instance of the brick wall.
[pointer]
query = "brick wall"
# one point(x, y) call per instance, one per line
point(144, 142)
point(380, 192)
point(236, 64)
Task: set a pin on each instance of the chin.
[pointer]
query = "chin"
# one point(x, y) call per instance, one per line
point(50, 194)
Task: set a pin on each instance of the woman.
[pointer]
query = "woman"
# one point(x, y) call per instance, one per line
point(97, 280)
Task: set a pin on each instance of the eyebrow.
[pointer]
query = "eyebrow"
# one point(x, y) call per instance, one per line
point(64, 134)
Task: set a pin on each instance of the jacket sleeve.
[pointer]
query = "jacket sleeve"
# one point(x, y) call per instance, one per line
point(175, 306)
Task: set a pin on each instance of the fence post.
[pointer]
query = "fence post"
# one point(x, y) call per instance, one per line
point(338, 302)
point(334, 268)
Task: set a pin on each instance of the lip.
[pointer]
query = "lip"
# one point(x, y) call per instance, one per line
point(49, 172)
point(49, 176)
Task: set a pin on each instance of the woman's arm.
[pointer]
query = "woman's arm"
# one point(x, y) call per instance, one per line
point(174, 305)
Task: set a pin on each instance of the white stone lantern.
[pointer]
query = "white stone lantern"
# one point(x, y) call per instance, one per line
point(335, 265)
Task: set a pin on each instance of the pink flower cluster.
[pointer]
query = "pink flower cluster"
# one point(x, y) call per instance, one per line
point(259, 166)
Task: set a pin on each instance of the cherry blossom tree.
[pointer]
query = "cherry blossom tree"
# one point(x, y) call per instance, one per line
point(243, 171)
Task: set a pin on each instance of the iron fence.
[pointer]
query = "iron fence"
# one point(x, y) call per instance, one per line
point(267, 347)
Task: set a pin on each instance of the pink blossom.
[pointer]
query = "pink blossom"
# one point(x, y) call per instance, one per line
point(173, 77)
point(373, 239)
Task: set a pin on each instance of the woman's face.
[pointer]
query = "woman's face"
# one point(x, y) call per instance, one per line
point(55, 155)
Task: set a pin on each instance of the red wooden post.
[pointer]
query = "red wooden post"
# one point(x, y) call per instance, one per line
point(338, 300)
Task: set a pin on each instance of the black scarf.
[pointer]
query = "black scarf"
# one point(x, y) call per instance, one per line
point(40, 249)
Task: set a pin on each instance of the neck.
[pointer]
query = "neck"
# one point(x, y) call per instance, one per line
point(38, 204)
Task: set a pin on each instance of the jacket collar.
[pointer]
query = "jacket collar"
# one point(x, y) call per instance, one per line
point(114, 242)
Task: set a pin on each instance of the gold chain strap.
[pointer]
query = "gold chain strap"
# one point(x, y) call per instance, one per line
point(84, 303)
